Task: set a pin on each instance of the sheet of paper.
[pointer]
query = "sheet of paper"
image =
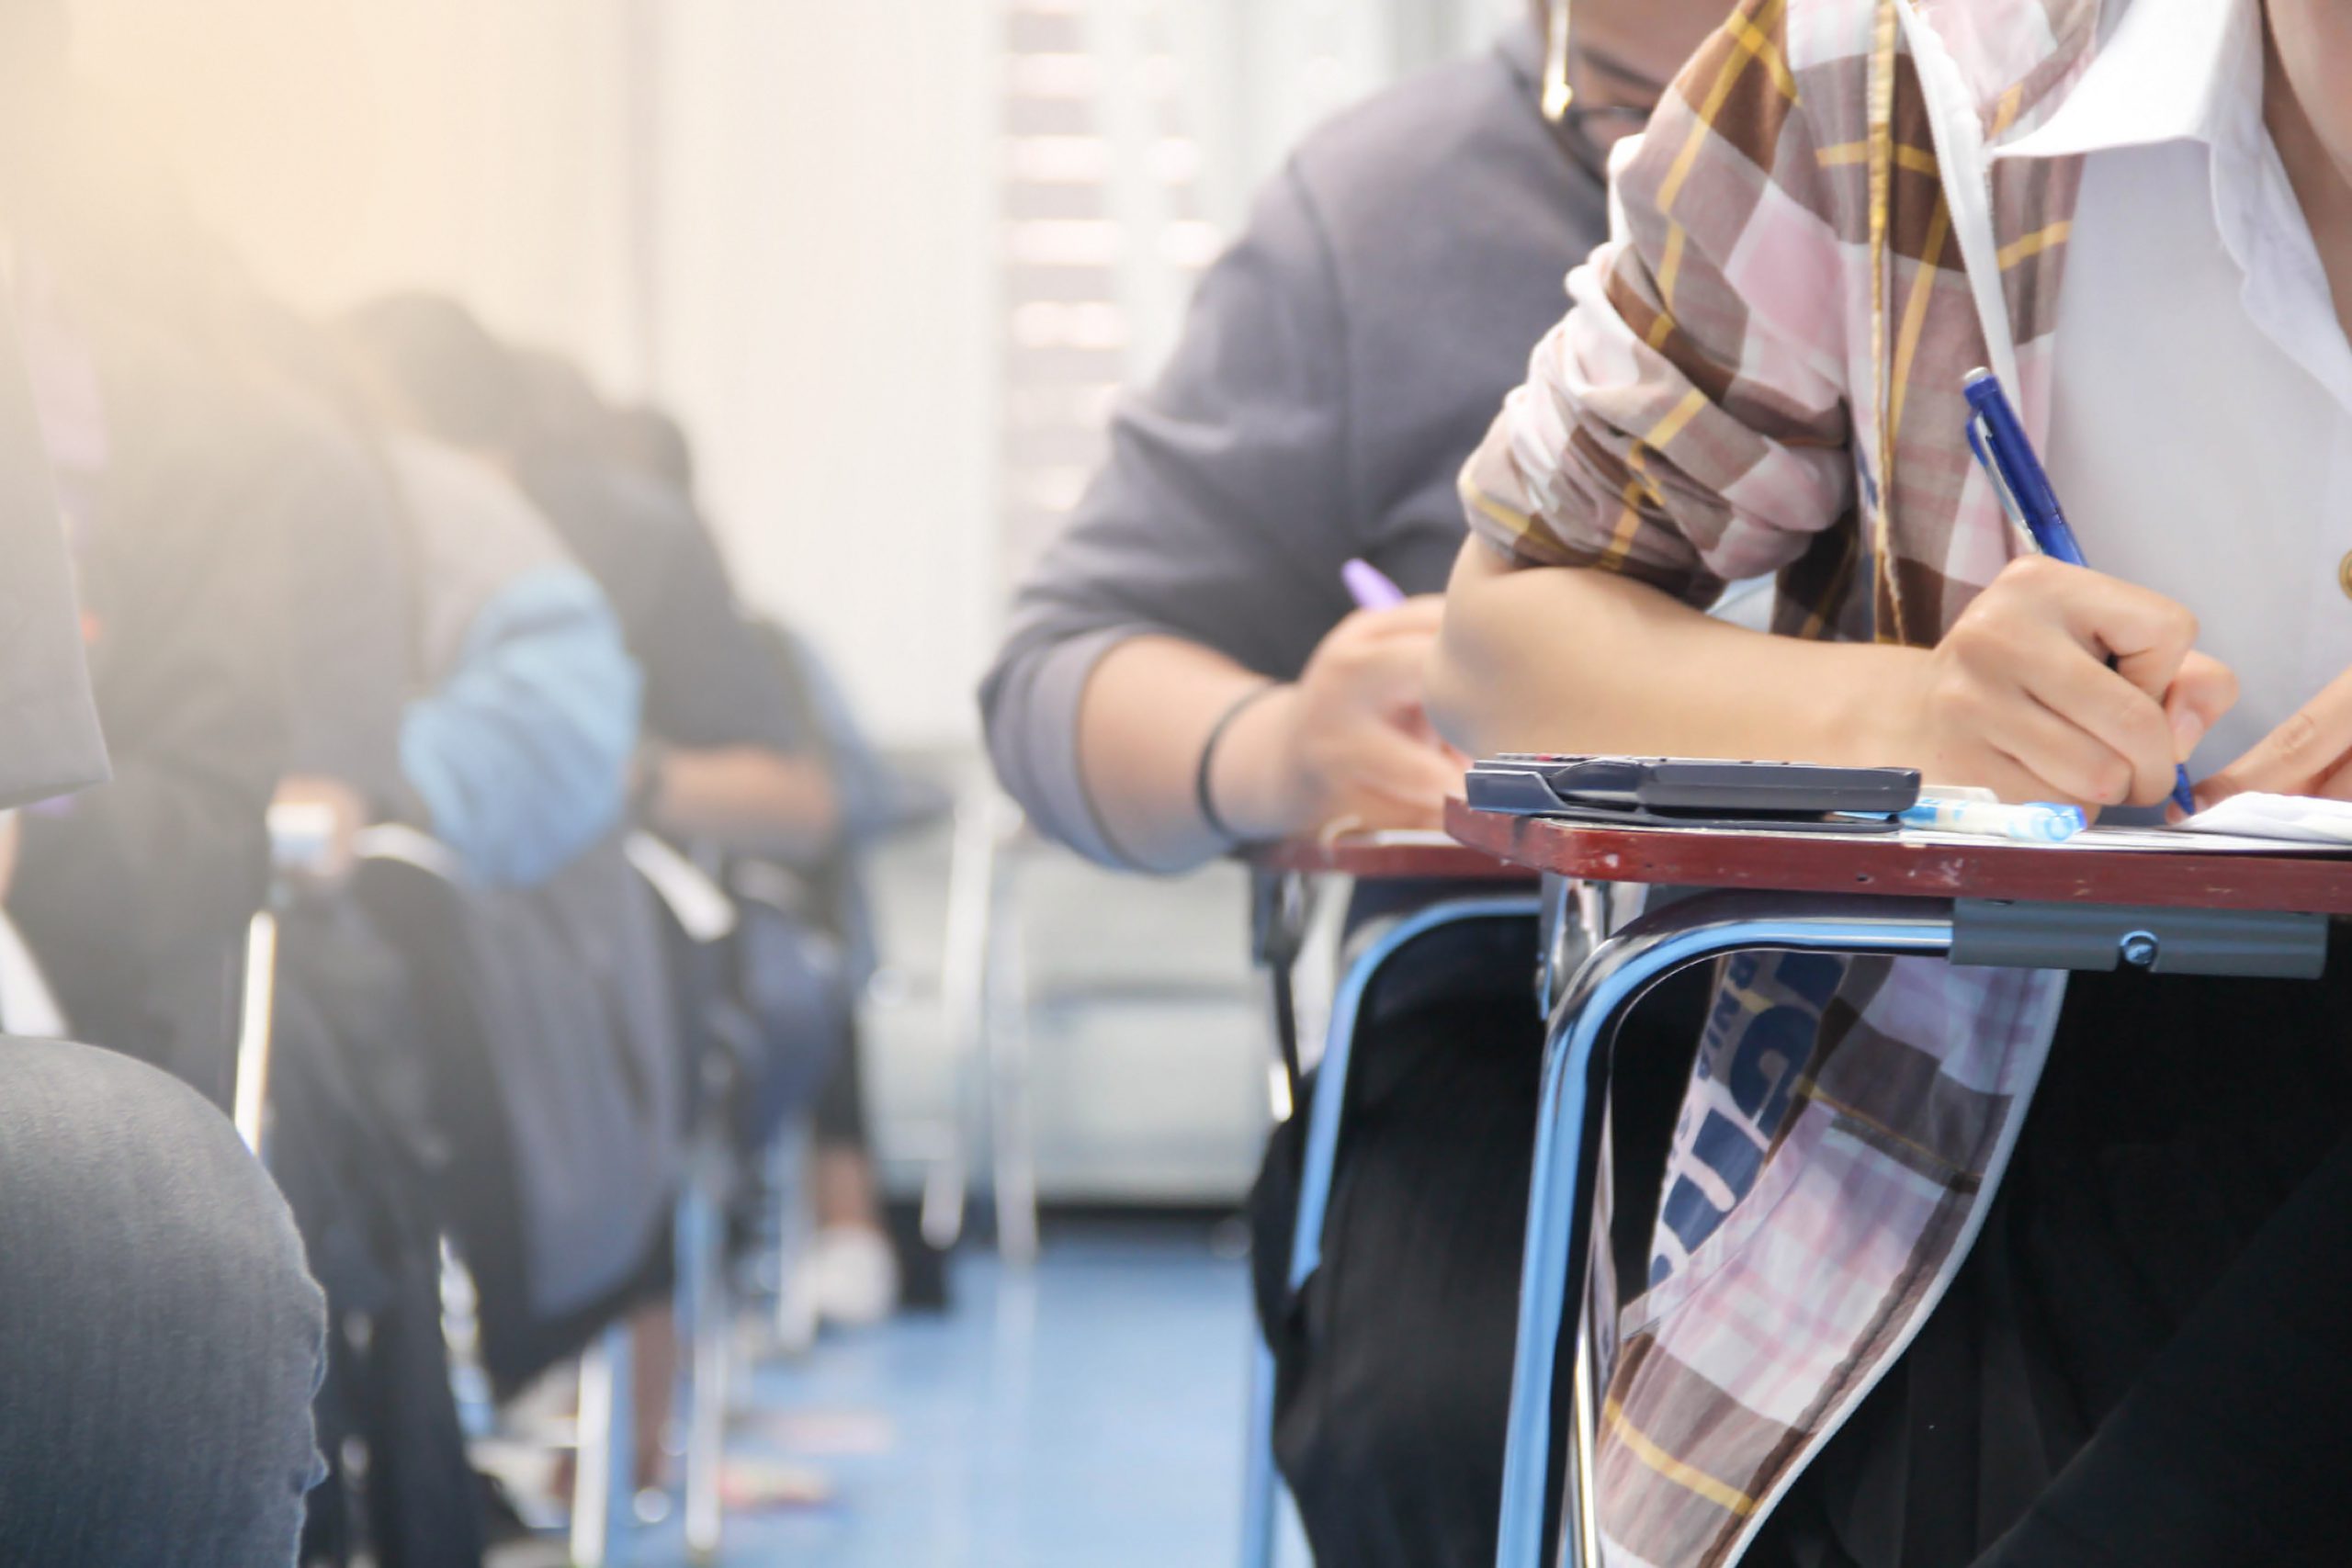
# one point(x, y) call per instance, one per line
point(2137, 840)
point(2290, 818)
point(2245, 825)
point(2181, 841)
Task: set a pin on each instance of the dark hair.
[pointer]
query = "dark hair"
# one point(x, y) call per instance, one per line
point(441, 370)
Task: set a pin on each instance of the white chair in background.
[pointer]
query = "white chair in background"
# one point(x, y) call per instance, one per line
point(27, 1007)
point(984, 994)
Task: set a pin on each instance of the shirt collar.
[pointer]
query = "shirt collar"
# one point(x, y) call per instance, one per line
point(2192, 70)
point(2170, 71)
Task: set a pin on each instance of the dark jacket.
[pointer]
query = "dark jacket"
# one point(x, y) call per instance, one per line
point(177, 494)
point(707, 681)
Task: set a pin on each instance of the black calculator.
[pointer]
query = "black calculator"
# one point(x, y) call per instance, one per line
point(1687, 791)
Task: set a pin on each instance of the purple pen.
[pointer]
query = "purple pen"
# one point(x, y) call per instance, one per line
point(1370, 587)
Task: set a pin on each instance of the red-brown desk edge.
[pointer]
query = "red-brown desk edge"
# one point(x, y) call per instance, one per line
point(1791, 863)
point(1371, 859)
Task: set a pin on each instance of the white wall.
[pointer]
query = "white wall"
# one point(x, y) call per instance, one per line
point(827, 321)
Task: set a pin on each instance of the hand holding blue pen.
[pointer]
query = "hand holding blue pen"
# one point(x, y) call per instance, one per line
point(1997, 437)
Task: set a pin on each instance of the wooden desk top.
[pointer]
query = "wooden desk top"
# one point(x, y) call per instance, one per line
point(1419, 857)
point(1793, 862)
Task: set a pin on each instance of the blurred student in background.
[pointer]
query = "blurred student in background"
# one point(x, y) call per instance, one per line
point(1184, 674)
point(723, 763)
point(511, 740)
point(730, 758)
point(275, 604)
point(719, 756)
point(1897, 1318)
point(718, 796)
point(177, 481)
point(159, 1335)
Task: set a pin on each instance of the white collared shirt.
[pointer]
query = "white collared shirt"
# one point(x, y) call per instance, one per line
point(2200, 429)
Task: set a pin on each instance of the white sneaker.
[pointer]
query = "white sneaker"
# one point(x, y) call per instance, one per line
point(853, 1275)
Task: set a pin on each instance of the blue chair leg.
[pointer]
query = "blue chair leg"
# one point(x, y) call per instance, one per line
point(707, 1312)
point(604, 1505)
point(1559, 1217)
point(1259, 1484)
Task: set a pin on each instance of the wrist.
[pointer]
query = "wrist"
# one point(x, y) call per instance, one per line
point(1250, 778)
point(1880, 720)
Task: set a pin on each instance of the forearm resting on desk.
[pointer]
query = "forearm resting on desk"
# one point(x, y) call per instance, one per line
point(1567, 659)
point(748, 797)
point(1348, 743)
point(1147, 710)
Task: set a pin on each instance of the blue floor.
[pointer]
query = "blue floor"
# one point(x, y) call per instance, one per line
point(1088, 1414)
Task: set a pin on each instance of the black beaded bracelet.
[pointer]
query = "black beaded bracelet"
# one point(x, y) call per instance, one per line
point(1204, 797)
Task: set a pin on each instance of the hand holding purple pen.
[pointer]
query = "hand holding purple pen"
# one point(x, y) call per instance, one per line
point(1350, 741)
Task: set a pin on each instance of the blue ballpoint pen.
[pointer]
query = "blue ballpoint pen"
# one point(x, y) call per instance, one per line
point(1998, 438)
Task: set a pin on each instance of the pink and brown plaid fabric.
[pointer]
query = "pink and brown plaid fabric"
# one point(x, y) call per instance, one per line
point(1763, 374)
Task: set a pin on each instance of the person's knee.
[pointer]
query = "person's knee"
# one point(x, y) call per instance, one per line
point(162, 1337)
point(135, 1157)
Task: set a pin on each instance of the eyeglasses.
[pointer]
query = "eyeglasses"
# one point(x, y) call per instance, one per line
point(1600, 125)
point(1558, 94)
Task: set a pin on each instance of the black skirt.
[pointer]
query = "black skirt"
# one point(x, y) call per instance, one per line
point(2146, 1359)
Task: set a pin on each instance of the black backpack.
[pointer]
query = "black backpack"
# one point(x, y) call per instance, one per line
point(551, 1067)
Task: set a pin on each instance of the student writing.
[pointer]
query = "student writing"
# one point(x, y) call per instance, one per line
point(1877, 1334)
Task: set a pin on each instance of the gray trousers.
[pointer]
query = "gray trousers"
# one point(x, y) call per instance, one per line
point(160, 1335)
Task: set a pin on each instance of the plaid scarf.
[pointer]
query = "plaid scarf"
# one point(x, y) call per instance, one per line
point(1763, 373)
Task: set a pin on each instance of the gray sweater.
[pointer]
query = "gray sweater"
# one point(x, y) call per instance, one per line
point(1339, 366)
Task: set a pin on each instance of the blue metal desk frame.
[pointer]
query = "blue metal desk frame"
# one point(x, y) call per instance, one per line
point(1584, 1010)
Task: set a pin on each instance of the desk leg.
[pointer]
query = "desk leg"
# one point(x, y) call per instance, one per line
point(710, 1322)
point(1012, 1143)
point(1576, 1079)
point(975, 903)
point(1278, 915)
point(1580, 1524)
point(1278, 902)
point(604, 1486)
point(1259, 1486)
